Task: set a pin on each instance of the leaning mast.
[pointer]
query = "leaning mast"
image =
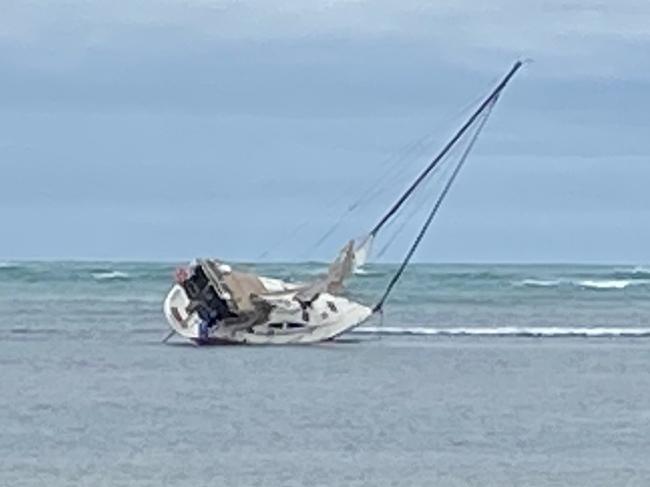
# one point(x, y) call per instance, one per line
point(487, 102)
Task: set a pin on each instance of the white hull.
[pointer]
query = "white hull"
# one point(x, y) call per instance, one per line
point(328, 316)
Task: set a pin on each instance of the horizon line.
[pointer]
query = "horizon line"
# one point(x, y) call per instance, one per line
point(131, 260)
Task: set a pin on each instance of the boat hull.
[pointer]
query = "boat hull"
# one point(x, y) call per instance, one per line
point(289, 323)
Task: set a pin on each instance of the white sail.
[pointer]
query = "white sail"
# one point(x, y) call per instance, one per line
point(362, 252)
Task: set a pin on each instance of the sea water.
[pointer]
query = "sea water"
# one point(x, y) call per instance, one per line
point(485, 375)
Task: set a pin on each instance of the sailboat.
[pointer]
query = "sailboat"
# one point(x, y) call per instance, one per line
point(213, 303)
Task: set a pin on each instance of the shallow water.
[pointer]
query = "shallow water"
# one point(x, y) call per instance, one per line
point(89, 396)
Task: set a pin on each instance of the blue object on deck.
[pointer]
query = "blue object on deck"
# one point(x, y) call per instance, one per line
point(203, 329)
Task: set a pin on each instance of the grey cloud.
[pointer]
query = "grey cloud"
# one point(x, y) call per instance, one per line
point(577, 38)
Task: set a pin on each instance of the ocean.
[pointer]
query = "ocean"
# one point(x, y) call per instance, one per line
point(476, 375)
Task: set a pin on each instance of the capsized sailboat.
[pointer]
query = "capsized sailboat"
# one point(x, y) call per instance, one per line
point(213, 303)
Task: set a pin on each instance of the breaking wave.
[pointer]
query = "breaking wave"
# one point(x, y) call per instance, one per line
point(505, 331)
point(591, 284)
point(603, 284)
point(368, 273)
point(397, 331)
point(9, 265)
point(110, 275)
point(635, 273)
point(540, 283)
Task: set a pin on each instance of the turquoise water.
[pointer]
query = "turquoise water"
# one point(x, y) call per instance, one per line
point(116, 298)
point(478, 375)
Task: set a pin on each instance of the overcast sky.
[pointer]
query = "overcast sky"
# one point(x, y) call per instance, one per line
point(172, 129)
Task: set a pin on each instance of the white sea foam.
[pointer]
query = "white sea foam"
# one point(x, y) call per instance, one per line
point(596, 284)
point(499, 331)
point(367, 273)
point(8, 265)
point(540, 282)
point(110, 275)
point(607, 283)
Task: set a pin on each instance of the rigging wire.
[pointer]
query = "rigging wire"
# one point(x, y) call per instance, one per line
point(480, 124)
point(415, 204)
point(401, 162)
point(420, 199)
point(371, 194)
point(282, 240)
point(426, 142)
point(375, 190)
point(448, 146)
point(408, 153)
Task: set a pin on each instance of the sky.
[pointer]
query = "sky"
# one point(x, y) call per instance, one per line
point(172, 129)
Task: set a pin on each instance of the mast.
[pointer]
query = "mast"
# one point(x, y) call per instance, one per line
point(436, 206)
point(491, 97)
point(481, 114)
